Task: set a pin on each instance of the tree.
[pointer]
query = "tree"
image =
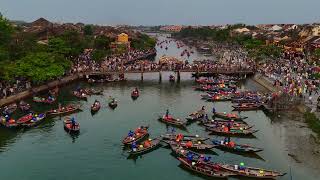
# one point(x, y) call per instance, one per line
point(88, 30)
point(98, 54)
point(59, 46)
point(74, 41)
point(6, 31)
point(102, 42)
point(316, 53)
point(40, 67)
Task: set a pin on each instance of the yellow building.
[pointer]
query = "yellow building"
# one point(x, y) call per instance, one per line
point(123, 38)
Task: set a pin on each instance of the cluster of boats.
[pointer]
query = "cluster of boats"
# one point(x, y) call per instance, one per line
point(226, 90)
point(188, 149)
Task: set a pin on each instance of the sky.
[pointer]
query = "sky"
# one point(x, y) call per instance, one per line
point(163, 12)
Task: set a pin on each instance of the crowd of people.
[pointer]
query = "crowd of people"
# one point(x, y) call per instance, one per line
point(294, 77)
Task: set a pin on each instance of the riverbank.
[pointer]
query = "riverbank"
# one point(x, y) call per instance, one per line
point(41, 88)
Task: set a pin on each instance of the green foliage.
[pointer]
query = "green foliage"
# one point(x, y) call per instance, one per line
point(6, 31)
point(143, 42)
point(313, 122)
point(40, 67)
point(88, 30)
point(58, 46)
point(316, 53)
point(21, 45)
point(98, 54)
point(102, 43)
point(74, 41)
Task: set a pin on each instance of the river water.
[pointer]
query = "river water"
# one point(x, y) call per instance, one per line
point(48, 152)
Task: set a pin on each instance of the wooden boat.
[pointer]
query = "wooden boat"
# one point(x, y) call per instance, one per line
point(95, 107)
point(138, 135)
point(68, 126)
point(93, 92)
point(244, 100)
point(11, 124)
point(44, 100)
point(24, 106)
point(172, 121)
point(25, 118)
point(144, 147)
point(210, 170)
point(235, 147)
point(193, 145)
point(252, 172)
point(69, 109)
point(234, 125)
point(246, 107)
point(174, 137)
point(113, 104)
point(10, 108)
point(216, 98)
point(79, 95)
point(134, 94)
point(183, 152)
point(195, 117)
point(36, 120)
point(231, 132)
point(172, 78)
point(228, 116)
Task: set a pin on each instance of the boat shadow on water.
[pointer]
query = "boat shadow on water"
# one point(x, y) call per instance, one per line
point(247, 155)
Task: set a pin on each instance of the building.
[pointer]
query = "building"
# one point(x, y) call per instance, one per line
point(123, 38)
point(316, 31)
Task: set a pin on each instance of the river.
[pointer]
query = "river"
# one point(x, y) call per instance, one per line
point(48, 152)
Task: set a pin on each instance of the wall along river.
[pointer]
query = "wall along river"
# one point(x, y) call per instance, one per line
point(48, 152)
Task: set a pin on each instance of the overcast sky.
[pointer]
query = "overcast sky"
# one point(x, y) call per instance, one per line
point(155, 12)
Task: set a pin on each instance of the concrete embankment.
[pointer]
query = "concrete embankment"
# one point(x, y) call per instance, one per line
point(258, 78)
point(30, 92)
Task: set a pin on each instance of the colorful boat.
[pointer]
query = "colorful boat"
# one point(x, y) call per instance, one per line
point(145, 147)
point(231, 146)
point(228, 116)
point(252, 172)
point(172, 121)
point(135, 94)
point(231, 132)
point(80, 95)
point(69, 109)
point(136, 136)
point(67, 124)
point(247, 107)
point(24, 106)
point(95, 107)
point(210, 170)
point(25, 118)
point(36, 120)
point(44, 100)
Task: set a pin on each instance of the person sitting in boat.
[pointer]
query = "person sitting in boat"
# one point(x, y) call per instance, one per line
point(96, 102)
point(50, 98)
point(190, 156)
point(167, 113)
point(7, 117)
point(213, 110)
point(179, 137)
point(206, 118)
point(206, 158)
point(131, 133)
point(189, 144)
point(147, 143)
point(73, 123)
point(136, 90)
point(134, 146)
point(201, 112)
